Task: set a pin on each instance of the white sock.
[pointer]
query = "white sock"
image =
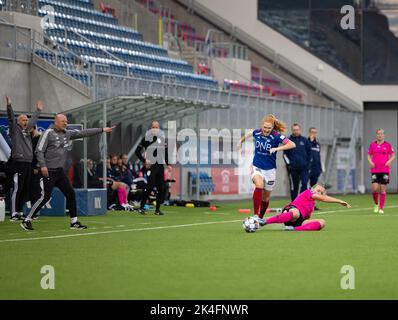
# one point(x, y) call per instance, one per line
point(73, 220)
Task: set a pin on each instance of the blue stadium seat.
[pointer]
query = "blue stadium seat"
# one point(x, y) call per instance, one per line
point(206, 182)
point(79, 20)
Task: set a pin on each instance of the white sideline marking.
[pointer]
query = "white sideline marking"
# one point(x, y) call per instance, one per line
point(350, 210)
point(118, 231)
point(217, 213)
point(167, 227)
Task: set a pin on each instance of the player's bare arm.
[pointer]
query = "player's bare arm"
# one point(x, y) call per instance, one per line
point(243, 139)
point(370, 161)
point(287, 146)
point(390, 160)
point(328, 199)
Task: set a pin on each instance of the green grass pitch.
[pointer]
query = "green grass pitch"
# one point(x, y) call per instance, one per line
point(194, 253)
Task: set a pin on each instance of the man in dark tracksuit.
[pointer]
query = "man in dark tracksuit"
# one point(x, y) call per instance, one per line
point(21, 157)
point(316, 166)
point(51, 153)
point(35, 172)
point(155, 148)
point(298, 162)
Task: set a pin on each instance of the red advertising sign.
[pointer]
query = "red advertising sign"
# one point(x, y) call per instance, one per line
point(225, 180)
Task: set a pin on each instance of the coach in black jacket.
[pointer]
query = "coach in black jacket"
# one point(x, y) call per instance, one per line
point(316, 165)
point(298, 161)
point(152, 151)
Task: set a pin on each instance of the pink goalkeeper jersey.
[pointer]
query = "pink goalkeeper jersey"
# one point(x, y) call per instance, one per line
point(305, 203)
point(379, 154)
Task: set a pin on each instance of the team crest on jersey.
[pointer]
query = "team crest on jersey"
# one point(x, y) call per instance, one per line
point(373, 176)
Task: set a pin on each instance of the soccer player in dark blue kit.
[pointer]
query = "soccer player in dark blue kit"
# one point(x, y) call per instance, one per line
point(267, 141)
point(298, 162)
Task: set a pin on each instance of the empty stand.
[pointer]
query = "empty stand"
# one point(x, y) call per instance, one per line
point(97, 38)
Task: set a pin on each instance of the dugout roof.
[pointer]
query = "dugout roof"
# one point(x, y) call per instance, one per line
point(141, 109)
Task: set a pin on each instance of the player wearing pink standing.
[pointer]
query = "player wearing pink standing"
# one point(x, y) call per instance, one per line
point(296, 215)
point(380, 156)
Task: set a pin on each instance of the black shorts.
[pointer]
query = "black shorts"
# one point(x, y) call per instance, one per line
point(381, 178)
point(296, 223)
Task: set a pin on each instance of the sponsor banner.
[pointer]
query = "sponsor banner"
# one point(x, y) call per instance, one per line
point(225, 180)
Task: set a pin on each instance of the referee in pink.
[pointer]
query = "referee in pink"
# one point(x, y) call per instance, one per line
point(380, 157)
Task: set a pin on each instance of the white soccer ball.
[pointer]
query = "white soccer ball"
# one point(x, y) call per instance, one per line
point(250, 224)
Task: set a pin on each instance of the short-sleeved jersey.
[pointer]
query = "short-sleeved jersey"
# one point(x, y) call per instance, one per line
point(380, 154)
point(305, 203)
point(262, 145)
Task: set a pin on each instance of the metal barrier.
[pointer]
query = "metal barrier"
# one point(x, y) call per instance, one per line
point(249, 109)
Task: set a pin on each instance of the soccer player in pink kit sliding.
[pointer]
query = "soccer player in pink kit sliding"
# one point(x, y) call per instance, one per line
point(296, 215)
point(380, 156)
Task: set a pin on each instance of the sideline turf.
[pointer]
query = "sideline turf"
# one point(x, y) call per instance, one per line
point(204, 261)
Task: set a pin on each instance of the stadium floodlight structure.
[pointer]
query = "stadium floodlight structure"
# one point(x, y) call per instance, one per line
point(138, 109)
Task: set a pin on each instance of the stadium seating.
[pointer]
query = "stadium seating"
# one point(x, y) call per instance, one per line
point(96, 37)
point(206, 182)
point(262, 85)
point(260, 79)
point(261, 90)
point(56, 30)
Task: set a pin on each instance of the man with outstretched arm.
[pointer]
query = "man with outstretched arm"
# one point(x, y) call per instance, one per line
point(51, 152)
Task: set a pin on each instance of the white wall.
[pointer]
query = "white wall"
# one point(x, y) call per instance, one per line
point(27, 83)
point(14, 82)
point(57, 96)
point(24, 20)
point(387, 93)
